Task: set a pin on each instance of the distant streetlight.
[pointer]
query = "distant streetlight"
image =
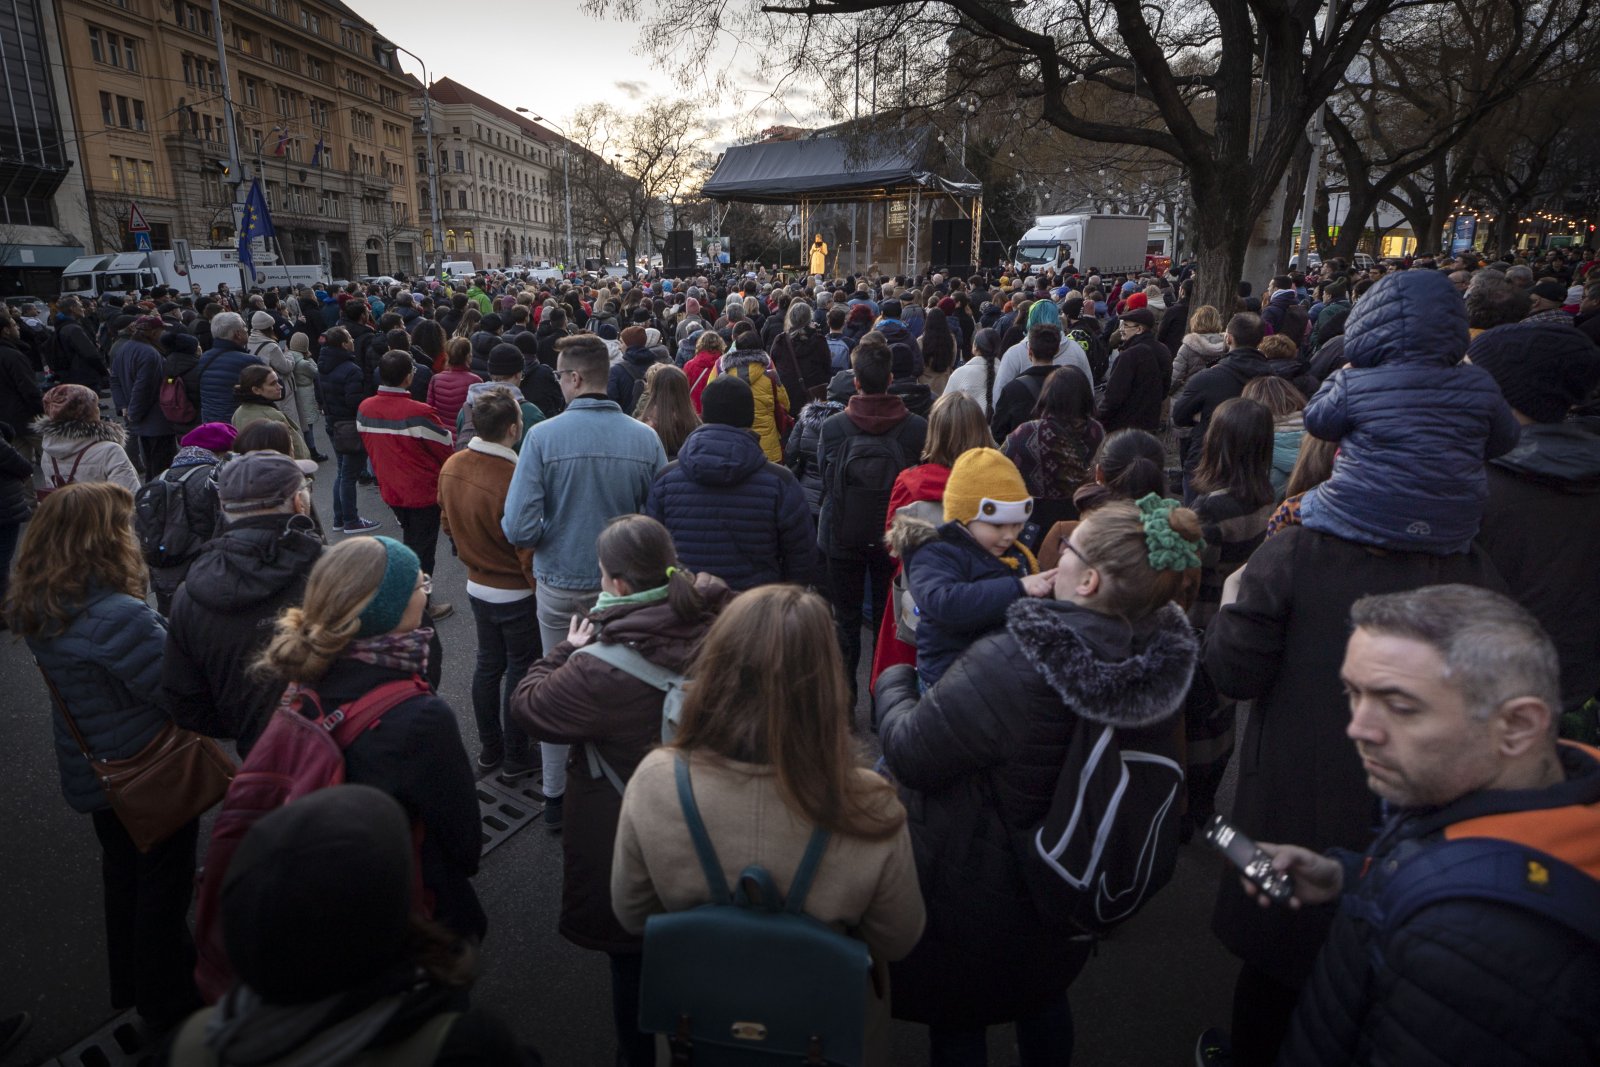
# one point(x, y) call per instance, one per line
point(566, 177)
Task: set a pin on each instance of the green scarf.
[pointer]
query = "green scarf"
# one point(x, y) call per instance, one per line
point(649, 596)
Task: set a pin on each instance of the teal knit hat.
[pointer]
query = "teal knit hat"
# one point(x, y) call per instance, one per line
point(388, 605)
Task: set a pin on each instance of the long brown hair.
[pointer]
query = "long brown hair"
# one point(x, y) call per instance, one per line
point(955, 425)
point(666, 407)
point(1236, 453)
point(80, 538)
point(769, 688)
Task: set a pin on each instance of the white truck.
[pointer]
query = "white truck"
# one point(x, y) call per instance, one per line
point(119, 273)
point(1109, 244)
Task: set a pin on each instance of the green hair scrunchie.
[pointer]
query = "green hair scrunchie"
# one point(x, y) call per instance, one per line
point(1167, 549)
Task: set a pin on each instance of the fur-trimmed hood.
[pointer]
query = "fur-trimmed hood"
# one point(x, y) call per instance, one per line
point(907, 533)
point(78, 432)
point(1104, 669)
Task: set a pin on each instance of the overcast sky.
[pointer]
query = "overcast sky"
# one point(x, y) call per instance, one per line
point(553, 59)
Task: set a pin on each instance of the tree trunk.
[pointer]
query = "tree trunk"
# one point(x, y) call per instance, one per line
point(1219, 264)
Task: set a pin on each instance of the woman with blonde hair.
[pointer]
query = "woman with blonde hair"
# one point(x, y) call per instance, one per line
point(665, 406)
point(77, 596)
point(363, 625)
point(1202, 347)
point(766, 752)
point(955, 424)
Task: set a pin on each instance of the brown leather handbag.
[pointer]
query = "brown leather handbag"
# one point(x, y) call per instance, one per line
point(155, 792)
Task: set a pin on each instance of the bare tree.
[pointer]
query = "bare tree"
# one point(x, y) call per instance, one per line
point(108, 222)
point(394, 221)
point(626, 168)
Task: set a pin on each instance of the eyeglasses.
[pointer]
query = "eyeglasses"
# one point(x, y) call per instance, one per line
point(1070, 547)
point(427, 585)
point(563, 373)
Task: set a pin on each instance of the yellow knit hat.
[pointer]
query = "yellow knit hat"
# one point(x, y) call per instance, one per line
point(985, 485)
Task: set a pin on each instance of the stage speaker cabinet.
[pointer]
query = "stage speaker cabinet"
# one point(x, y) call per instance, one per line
point(952, 246)
point(680, 250)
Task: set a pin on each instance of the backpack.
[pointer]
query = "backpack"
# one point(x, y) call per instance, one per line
point(637, 393)
point(1109, 840)
point(57, 480)
point(630, 662)
point(175, 403)
point(296, 754)
point(420, 1049)
point(860, 480)
point(165, 521)
point(905, 606)
point(750, 978)
point(838, 353)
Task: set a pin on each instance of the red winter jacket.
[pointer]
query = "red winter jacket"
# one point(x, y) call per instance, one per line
point(447, 391)
point(407, 445)
point(926, 481)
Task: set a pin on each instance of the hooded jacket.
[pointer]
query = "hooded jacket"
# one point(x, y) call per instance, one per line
point(1197, 352)
point(769, 394)
point(961, 589)
point(1136, 384)
point(800, 454)
point(106, 664)
point(77, 360)
point(1463, 981)
point(1541, 527)
point(342, 391)
point(734, 513)
point(101, 445)
point(978, 757)
point(466, 430)
point(222, 617)
point(866, 413)
point(626, 373)
point(1414, 425)
point(566, 699)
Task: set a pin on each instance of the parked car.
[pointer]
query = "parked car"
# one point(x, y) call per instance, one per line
point(1313, 259)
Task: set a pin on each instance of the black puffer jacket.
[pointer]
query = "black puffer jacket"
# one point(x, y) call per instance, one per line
point(1463, 981)
point(977, 758)
point(340, 377)
point(733, 513)
point(800, 454)
point(222, 618)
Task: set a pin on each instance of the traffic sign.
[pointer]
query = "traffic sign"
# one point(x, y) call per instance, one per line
point(141, 240)
point(136, 223)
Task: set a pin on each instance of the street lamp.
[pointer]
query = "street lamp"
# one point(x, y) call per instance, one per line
point(566, 176)
point(427, 125)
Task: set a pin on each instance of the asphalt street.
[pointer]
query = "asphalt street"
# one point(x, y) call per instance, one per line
point(1143, 999)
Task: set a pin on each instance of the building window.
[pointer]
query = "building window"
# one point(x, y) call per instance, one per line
point(285, 102)
point(480, 168)
point(427, 242)
point(349, 38)
point(138, 115)
point(191, 17)
point(96, 47)
point(108, 114)
point(251, 97)
point(467, 238)
point(461, 161)
point(461, 199)
point(116, 173)
point(311, 22)
point(314, 68)
point(319, 112)
point(130, 54)
point(450, 241)
point(247, 42)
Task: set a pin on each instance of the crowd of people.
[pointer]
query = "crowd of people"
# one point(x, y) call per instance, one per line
point(1083, 525)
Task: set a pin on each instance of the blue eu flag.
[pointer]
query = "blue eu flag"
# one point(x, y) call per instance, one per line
point(256, 221)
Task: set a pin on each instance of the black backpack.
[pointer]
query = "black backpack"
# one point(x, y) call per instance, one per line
point(637, 393)
point(171, 517)
point(1110, 838)
point(860, 480)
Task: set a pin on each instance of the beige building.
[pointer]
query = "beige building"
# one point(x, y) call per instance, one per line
point(501, 195)
point(321, 116)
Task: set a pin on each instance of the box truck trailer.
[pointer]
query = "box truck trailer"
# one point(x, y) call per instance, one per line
point(1109, 244)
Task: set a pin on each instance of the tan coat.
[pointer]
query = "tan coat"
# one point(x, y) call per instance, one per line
point(866, 888)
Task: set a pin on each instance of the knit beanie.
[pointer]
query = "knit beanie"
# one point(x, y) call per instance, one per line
point(728, 401)
point(388, 605)
point(261, 321)
point(300, 342)
point(633, 337)
point(985, 485)
point(505, 359)
point(211, 436)
point(1542, 370)
point(72, 403)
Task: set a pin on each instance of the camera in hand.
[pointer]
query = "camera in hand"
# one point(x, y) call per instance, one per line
point(1255, 864)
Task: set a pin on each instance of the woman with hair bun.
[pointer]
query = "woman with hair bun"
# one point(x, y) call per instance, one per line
point(650, 605)
point(979, 755)
point(362, 625)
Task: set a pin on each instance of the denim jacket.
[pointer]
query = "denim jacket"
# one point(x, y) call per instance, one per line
point(575, 473)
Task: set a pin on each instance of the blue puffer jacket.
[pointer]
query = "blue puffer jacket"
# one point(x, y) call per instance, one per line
point(1415, 425)
point(962, 591)
point(219, 373)
point(733, 513)
point(107, 667)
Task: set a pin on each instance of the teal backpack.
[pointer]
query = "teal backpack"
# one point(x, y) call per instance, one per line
point(749, 978)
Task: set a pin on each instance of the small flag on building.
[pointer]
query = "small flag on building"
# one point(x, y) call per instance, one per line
point(255, 221)
point(316, 153)
point(283, 139)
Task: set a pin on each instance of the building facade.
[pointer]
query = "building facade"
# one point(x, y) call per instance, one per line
point(44, 218)
point(320, 113)
point(501, 196)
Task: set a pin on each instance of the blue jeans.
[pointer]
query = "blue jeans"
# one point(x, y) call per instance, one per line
point(508, 641)
point(556, 607)
point(344, 487)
